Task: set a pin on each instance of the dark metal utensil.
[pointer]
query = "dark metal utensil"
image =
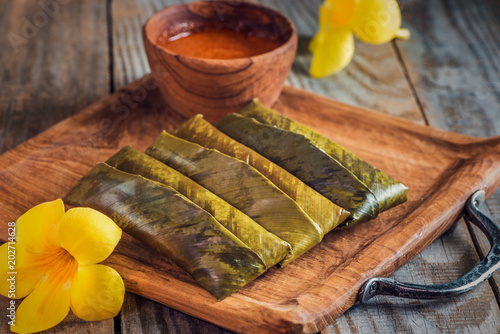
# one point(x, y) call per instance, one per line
point(475, 212)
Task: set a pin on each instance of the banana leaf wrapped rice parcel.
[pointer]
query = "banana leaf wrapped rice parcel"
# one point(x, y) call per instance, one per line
point(299, 156)
point(168, 222)
point(388, 191)
point(226, 203)
point(269, 247)
point(243, 187)
point(324, 212)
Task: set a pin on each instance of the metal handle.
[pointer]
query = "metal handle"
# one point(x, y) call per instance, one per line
point(475, 212)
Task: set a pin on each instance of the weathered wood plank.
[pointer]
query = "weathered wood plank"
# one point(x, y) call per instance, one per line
point(453, 62)
point(130, 63)
point(362, 318)
point(141, 315)
point(473, 312)
point(54, 62)
point(352, 86)
point(356, 101)
point(373, 80)
point(454, 65)
point(371, 66)
point(493, 204)
point(311, 292)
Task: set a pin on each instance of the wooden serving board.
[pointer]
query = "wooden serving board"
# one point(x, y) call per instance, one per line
point(442, 170)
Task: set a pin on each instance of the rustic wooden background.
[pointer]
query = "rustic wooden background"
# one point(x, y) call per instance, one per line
point(57, 56)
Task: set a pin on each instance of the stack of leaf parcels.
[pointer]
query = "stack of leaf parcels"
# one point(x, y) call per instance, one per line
point(226, 203)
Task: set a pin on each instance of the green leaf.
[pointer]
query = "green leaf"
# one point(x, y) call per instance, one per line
point(269, 247)
point(388, 191)
point(243, 187)
point(168, 222)
point(325, 213)
point(302, 158)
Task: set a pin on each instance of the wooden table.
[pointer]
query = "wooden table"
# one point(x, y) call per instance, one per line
point(58, 56)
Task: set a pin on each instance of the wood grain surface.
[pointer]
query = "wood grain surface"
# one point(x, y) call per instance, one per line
point(378, 79)
point(44, 79)
point(45, 72)
point(322, 284)
point(392, 78)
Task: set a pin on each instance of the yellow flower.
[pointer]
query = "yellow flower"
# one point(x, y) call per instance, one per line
point(372, 21)
point(53, 264)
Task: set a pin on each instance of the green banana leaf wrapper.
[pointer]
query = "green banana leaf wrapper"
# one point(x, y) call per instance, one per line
point(243, 187)
point(171, 224)
point(388, 191)
point(269, 247)
point(298, 155)
point(324, 212)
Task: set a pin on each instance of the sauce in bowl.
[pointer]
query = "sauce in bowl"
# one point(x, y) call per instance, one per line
point(218, 44)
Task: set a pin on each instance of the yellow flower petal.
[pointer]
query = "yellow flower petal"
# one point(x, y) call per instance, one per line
point(403, 33)
point(376, 21)
point(334, 49)
point(88, 235)
point(313, 44)
point(336, 13)
point(97, 293)
point(18, 274)
point(36, 228)
point(45, 307)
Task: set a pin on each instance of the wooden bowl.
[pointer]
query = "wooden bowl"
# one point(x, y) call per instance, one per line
point(215, 87)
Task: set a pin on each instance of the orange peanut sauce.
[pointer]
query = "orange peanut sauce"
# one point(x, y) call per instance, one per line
point(218, 44)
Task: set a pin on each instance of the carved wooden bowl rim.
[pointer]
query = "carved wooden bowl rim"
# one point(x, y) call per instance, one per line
point(283, 47)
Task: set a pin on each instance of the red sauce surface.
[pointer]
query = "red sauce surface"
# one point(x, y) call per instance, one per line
point(219, 44)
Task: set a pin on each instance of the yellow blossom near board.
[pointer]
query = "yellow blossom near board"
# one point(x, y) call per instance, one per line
point(55, 267)
point(372, 21)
